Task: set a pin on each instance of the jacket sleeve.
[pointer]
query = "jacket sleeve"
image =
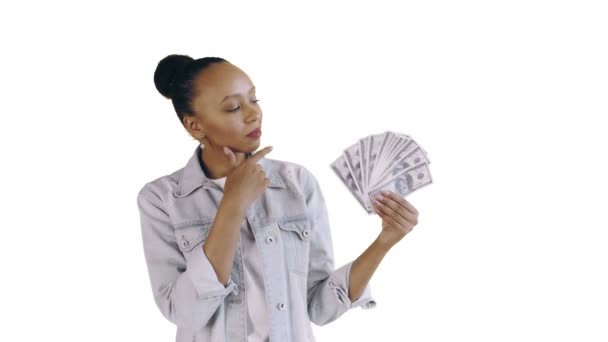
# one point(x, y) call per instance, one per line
point(327, 288)
point(188, 292)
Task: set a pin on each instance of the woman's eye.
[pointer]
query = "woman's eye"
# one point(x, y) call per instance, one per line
point(239, 107)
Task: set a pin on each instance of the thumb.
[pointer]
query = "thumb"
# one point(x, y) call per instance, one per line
point(229, 154)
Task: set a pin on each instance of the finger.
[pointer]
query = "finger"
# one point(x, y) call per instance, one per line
point(400, 210)
point(392, 211)
point(384, 215)
point(260, 170)
point(402, 201)
point(260, 154)
point(230, 155)
point(378, 210)
point(399, 200)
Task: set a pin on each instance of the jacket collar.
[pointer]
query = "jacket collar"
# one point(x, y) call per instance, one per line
point(192, 175)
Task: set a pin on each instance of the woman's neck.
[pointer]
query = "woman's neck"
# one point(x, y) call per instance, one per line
point(217, 165)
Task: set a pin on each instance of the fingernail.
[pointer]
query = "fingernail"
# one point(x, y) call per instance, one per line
point(384, 192)
point(378, 196)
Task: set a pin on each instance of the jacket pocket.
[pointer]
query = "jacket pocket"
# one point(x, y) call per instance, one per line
point(190, 235)
point(296, 235)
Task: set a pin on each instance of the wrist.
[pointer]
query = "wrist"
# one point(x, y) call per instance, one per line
point(382, 245)
point(233, 205)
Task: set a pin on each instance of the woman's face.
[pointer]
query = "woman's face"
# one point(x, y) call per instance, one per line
point(226, 108)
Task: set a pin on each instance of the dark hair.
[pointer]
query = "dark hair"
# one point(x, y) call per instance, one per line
point(174, 79)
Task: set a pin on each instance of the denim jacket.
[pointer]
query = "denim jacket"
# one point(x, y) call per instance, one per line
point(291, 227)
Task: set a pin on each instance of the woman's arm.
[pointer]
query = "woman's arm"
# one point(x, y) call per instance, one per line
point(398, 218)
point(245, 182)
point(364, 267)
point(327, 287)
point(220, 247)
point(186, 291)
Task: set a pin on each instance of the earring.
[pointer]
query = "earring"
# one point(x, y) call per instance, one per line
point(201, 140)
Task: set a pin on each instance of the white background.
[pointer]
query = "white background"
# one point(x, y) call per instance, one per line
point(508, 98)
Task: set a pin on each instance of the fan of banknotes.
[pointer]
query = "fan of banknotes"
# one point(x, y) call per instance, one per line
point(386, 161)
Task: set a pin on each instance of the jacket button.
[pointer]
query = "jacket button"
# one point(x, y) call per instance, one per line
point(306, 233)
point(281, 306)
point(269, 239)
point(185, 243)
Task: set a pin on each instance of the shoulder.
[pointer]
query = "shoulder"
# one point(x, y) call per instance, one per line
point(160, 188)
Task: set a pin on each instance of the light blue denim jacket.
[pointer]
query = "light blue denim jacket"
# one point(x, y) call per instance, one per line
point(300, 280)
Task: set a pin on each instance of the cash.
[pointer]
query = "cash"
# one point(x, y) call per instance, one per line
point(386, 161)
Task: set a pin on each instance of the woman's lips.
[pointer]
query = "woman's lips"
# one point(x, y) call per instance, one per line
point(256, 133)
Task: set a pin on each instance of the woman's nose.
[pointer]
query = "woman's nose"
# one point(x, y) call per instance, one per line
point(253, 114)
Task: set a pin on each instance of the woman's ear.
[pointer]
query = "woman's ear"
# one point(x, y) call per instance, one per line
point(194, 129)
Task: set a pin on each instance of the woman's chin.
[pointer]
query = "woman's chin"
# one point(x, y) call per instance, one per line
point(253, 146)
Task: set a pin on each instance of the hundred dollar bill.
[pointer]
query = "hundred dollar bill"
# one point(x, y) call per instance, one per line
point(392, 144)
point(423, 150)
point(389, 159)
point(405, 159)
point(340, 168)
point(362, 144)
point(373, 152)
point(406, 182)
point(353, 162)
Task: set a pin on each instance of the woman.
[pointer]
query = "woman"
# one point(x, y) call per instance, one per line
point(238, 246)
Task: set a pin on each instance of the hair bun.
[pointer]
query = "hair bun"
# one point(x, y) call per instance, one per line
point(167, 71)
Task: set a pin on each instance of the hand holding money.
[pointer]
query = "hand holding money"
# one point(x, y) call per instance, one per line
point(398, 217)
point(386, 161)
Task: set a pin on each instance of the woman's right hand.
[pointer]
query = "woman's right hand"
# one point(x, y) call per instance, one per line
point(247, 181)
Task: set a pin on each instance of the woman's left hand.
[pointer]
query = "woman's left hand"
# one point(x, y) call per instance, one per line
point(398, 217)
